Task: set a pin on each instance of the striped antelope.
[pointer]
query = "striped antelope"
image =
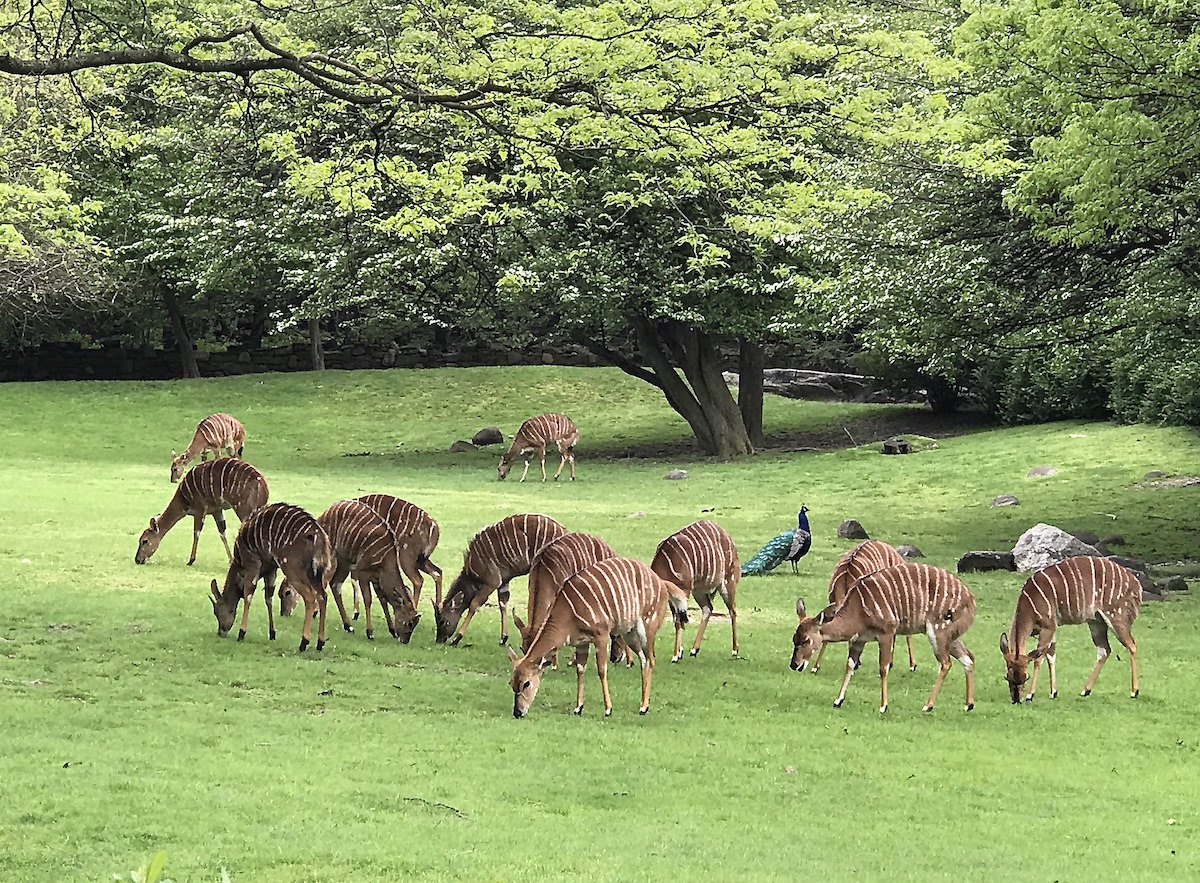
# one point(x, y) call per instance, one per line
point(864, 558)
point(276, 537)
point(904, 599)
point(417, 536)
point(558, 561)
point(495, 555)
point(533, 437)
point(703, 561)
point(365, 546)
point(207, 489)
point(214, 433)
point(613, 596)
point(1088, 589)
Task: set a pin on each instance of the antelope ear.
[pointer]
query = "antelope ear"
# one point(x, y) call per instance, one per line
point(521, 627)
point(215, 591)
point(513, 655)
point(154, 524)
point(1004, 643)
point(173, 455)
point(800, 607)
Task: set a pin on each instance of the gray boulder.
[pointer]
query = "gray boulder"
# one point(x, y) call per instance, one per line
point(676, 475)
point(908, 552)
point(1137, 565)
point(976, 562)
point(1115, 539)
point(1086, 536)
point(897, 446)
point(1040, 472)
point(489, 435)
point(462, 447)
point(1005, 500)
point(1045, 544)
point(852, 530)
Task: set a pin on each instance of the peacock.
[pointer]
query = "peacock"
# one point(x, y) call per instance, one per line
point(789, 546)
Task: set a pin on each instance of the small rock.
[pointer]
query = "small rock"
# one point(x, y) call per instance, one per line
point(1152, 596)
point(977, 562)
point(1173, 583)
point(1005, 500)
point(1115, 539)
point(1086, 536)
point(462, 447)
point(1040, 471)
point(676, 475)
point(852, 530)
point(489, 435)
point(897, 446)
point(636, 515)
point(908, 552)
point(1153, 474)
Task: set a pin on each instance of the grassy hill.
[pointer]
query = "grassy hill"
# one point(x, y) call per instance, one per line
point(130, 727)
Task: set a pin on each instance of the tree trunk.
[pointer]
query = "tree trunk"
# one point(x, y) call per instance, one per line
point(701, 395)
point(187, 353)
point(750, 389)
point(315, 349)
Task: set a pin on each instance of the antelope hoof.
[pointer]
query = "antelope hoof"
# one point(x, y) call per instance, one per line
point(303, 644)
point(837, 703)
point(1134, 694)
point(645, 710)
point(696, 652)
point(370, 633)
point(455, 640)
point(1086, 693)
point(1053, 695)
point(320, 646)
point(355, 617)
point(272, 634)
point(578, 710)
point(970, 706)
point(883, 709)
point(349, 628)
point(190, 563)
point(912, 667)
point(608, 712)
point(677, 658)
point(503, 640)
point(241, 634)
point(1029, 698)
point(927, 708)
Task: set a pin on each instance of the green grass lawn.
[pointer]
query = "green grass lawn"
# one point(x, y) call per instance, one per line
point(127, 726)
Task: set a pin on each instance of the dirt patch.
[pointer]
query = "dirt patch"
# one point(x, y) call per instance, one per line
point(1173, 481)
point(853, 433)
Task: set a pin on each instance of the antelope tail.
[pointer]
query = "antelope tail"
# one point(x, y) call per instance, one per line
point(677, 599)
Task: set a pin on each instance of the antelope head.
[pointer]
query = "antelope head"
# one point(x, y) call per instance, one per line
point(148, 544)
point(177, 466)
point(406, 618)
point(288, 599)
point(224, 613)
point(454, 605)
point(506, 462)
point(807, 640)
point(526, 678)
point(1017, 667)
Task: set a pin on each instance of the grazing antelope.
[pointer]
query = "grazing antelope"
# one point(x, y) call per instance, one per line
point(1088, 589)
point(904, 599)
point(207, 489)
point(533, 437)
point(276, 537)
point(495, 555)
point(417, 536)
point(703, 561)
point(364, 545)
point(613, 596)
point(558, 561)
point(214, 433)
point(864, 558)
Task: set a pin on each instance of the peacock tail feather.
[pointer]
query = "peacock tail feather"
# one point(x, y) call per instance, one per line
point(769, 556)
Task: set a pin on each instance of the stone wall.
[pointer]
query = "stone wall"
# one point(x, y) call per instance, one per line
point(72, 362)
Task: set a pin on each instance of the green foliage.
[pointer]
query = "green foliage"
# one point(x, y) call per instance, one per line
point(1041, 385)
point(150, 872)
point(131, 727)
